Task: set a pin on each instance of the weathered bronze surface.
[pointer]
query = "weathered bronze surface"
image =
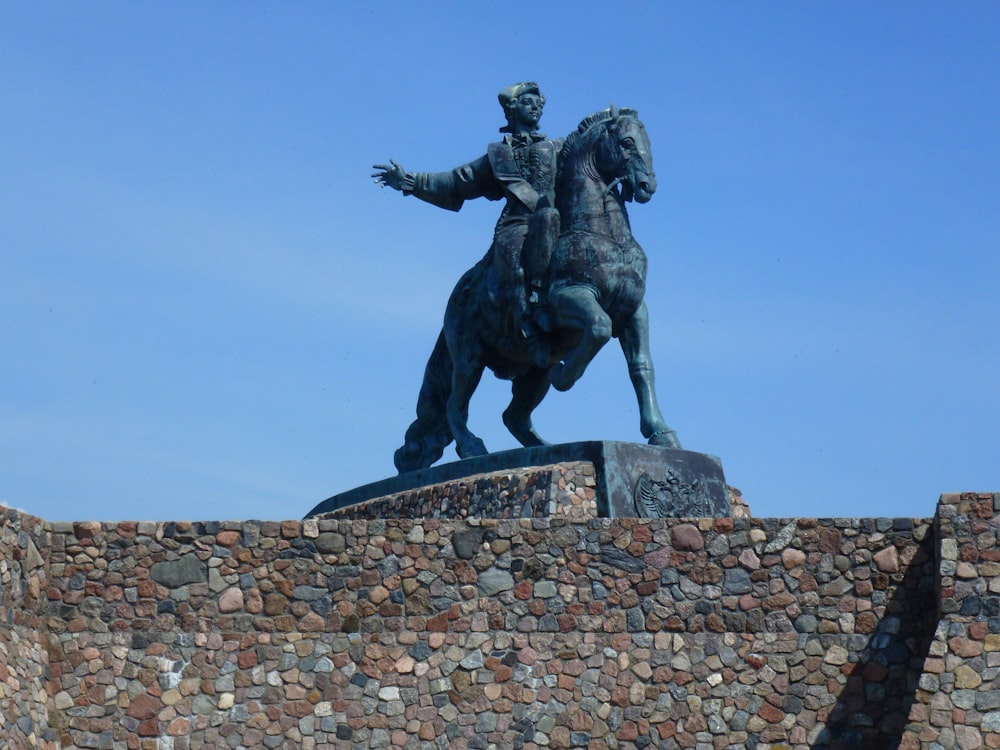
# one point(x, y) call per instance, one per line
point(563, 274)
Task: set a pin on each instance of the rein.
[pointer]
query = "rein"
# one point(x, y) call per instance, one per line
point(601, 150)
point(617, 166)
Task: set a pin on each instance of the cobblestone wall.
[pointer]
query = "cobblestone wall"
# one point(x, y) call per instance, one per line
point(710, 633)
point(958, 696)
point(565, 490)
point(23, 657)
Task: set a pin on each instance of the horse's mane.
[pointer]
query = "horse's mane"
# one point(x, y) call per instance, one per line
point(603, 116)
point(577, 139)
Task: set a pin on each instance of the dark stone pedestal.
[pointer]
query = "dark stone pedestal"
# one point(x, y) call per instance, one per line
point(616, 480)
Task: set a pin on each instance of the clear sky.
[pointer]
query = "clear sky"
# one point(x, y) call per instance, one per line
point(208, 311)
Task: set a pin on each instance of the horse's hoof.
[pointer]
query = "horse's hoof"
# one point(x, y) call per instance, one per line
point(472, 448)
point(407, 459)
point(665, 438)
point(560, 378)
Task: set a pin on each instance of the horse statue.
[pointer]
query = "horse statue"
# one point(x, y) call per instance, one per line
point(596, 283)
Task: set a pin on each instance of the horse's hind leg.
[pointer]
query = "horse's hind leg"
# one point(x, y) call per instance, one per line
point(634, 339)
point(577, 308)
point(429, 434)
point(465, 378)
point(528, 391)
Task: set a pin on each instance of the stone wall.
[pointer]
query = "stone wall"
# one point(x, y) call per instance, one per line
point(24, 702)
point(531, 633)
point(562, 490)
point(958, 695)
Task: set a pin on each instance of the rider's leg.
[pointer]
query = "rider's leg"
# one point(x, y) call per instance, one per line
point(509, 249)
point(577, 308)
point(543, 231)
point(634, 339)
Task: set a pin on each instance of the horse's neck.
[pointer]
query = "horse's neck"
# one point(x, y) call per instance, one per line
point(589, 206)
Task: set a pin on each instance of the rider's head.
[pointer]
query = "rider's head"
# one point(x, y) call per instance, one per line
point(522, 106)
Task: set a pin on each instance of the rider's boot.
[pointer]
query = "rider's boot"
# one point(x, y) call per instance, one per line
point(538, 309)
point(532, 328)
point(538, 346)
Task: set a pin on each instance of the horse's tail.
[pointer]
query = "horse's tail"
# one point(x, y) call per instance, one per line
point(429, 435)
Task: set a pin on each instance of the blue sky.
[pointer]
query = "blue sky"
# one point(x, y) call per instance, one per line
point(208, 311)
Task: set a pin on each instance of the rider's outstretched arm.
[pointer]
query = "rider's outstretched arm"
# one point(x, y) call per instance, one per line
point(447, 190)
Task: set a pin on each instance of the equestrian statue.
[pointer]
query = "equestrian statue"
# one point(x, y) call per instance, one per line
point(562, 276)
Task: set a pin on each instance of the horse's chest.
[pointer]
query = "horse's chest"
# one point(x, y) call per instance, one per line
point(616, 270)
point(585, 256)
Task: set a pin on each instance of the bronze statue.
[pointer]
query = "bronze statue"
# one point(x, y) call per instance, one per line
point(556, 283)
point(522, 169)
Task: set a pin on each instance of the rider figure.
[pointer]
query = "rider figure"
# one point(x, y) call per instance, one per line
point(522, 169)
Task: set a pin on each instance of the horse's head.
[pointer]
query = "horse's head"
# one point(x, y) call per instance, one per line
point(625, 155)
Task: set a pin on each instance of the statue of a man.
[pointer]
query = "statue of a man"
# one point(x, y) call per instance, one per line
point(520, 168)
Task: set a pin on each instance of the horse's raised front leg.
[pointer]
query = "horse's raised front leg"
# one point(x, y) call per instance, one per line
point(577, 308)
point(528, 391)
point(465, 377)
point(634, 339)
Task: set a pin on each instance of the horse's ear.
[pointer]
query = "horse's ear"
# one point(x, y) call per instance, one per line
point(614, 116)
